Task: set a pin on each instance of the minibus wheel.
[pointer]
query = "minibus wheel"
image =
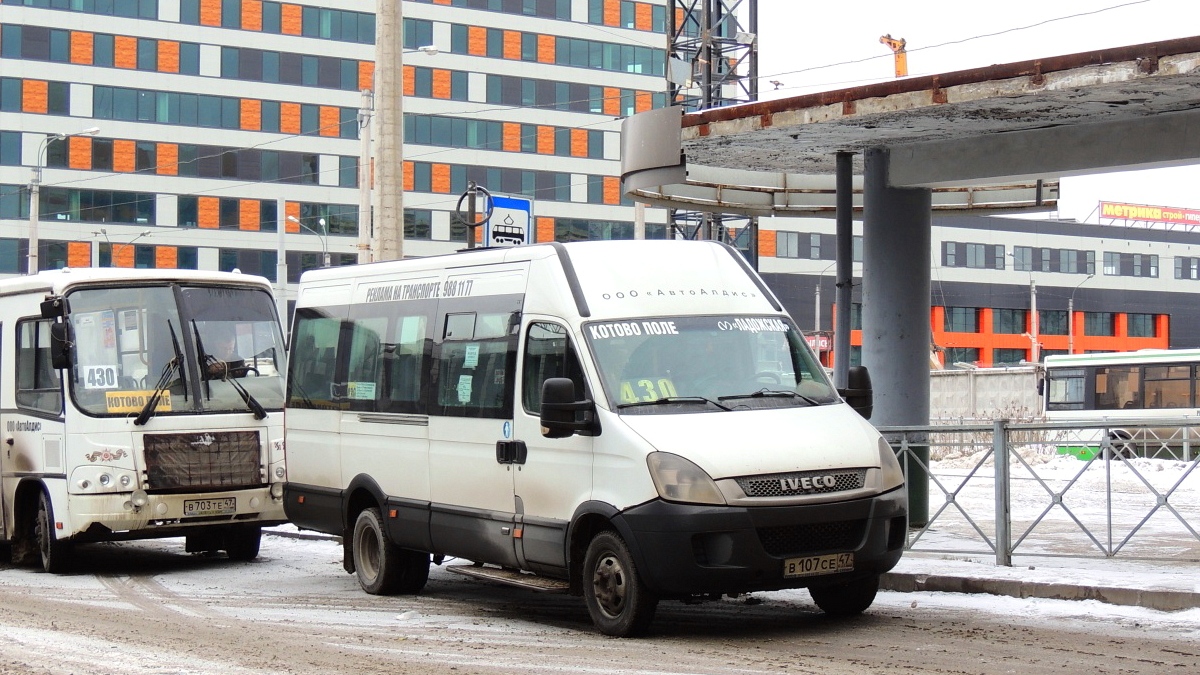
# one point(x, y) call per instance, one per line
point(618, 602)
point(56, 553)
point(242, 542)
point(846, 599)
point(382, 567)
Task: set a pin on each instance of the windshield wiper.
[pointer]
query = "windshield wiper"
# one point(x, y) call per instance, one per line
point(205, 358)
point(772, 393)
point(174, 365)
point(673, 399)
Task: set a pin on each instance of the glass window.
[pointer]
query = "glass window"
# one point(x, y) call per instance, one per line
point(1007, 357)
point(962, 320)
point(38, 385)
point(957, 355)
point(272, 17)
point(231, 13)
point(1008, 321)
point(347, 172)
point(1141, 325)
point(1118, 387)
point(1099, 323)
point(1052, 322)
point(60, 46)
point(418, 224)
point(189, 58)
point(1065, 389)
point(1168, 386)
point(476, 359)
point(229, 62)
point(549, 353)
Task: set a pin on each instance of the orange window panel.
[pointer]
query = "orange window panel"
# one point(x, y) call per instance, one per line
point(441, 84)
point(642, 101)
point(124, 156)
point(512, 45)
point(366, 75)
point(680, 15)
point(251, 14)
point(643, 16)
point(81, 48)
point(544, 229)
point(410, 81)
point(125, 52)
point(331, 121)
point(766, 244)
point(289, 118)
point(511, 134)
point(291, 21)
point(168, 56)
point(122, 255)
point(612, 12)
point(166, 257)
point(168, 159)
point(477, 41)
point(79, 152)
point(251, 114)
point(545, 140)
point(612, 101)
point(579, 143)
point(79, 254)
point(34, 96)
point(440, 178)
point(442, 2)
point(545, 48)
point(408, 176)
point(248, 214)
point(292, 209)
point(210, 12)
point(208, 212)
point(612, 190)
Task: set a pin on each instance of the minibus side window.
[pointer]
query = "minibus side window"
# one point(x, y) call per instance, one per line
point(314, 356)
point(475, 363)
point(548, 353)
point(38, 384)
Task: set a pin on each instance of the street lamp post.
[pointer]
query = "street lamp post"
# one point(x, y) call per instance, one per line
point(323, 235)
point(1071, 316)
point(35, 190)
point(817, 297)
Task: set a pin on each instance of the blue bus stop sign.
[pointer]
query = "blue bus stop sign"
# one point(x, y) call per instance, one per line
point(511, 223)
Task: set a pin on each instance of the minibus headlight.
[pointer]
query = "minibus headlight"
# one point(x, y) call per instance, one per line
point(678, 480)
point(892, 474)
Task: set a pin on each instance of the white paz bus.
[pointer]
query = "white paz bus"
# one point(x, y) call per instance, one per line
point(628, 421)
point(139, 404)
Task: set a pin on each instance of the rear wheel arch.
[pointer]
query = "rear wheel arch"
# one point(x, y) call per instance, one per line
point(363, 493)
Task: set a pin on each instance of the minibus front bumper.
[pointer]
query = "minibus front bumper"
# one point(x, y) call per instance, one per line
point(689, 549)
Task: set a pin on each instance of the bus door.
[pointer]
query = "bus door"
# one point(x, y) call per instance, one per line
point(471, 487)
point(554, 475)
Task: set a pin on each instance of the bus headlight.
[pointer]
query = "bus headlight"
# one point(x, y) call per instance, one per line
point(891, 473)
point(105, 480)
point(678, 480)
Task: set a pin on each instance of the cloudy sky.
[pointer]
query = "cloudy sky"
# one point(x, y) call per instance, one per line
point(819, 46)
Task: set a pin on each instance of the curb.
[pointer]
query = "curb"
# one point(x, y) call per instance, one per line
point(307, 536)
point(1165, 601)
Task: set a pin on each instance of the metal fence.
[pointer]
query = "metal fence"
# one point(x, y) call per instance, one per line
point(1061, 490)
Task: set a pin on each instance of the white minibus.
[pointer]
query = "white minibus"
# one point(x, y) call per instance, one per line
point(630, 421)
point(139, 404)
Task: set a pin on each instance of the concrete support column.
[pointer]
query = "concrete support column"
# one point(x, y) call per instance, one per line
point(895, 305)
point(845, 269)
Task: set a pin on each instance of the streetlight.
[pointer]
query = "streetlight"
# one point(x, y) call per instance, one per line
point(1071, 316)
point(817, 297)
point(323, 235)
point(35, 189)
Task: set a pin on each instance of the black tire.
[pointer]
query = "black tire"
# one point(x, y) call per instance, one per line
point(382, 567)
point(618, 601)
point(242, 542)
point(55, 553)
point(848, 599)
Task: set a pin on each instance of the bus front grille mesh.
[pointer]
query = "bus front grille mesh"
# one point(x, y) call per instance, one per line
point(208, 461)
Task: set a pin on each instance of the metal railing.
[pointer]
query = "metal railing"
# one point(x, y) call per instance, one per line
point(1063, 490)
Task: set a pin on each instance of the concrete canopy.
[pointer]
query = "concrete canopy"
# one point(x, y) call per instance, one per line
point(1112, 109)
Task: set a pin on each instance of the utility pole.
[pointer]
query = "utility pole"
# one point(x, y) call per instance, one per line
point(365, 229)
point(1035, 350)
point(389, 90)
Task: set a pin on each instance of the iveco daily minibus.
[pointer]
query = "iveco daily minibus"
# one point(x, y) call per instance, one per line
point(630, 421)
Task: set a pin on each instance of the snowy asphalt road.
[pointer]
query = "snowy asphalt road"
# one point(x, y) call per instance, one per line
point(147, 607)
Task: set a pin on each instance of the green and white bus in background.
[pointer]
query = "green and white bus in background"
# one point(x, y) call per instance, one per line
point(139, 404)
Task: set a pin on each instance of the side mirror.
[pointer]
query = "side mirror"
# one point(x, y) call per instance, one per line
point(559, 407)
point(51, 307)
point(858, 392)
point(60, 347)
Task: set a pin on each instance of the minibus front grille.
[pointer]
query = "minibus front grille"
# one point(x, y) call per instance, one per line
point(207, 460)
point(805, 539)
point(802, 483)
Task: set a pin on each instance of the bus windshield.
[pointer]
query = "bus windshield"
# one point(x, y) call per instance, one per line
point(696, 363)
point(200, 343)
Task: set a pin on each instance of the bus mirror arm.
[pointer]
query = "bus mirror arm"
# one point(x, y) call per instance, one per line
point(60, 346)
point(52, 307)
point(559, 407)
point(858, 394)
